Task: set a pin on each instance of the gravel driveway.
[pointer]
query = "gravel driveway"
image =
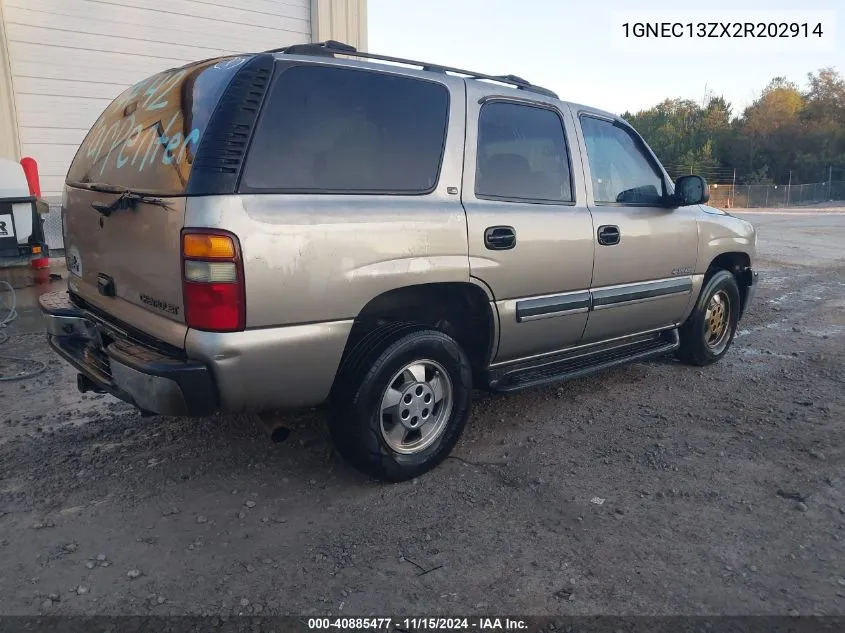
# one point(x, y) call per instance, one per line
point(652, 489)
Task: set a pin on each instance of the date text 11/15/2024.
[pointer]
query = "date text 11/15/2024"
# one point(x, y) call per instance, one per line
point(418, 623)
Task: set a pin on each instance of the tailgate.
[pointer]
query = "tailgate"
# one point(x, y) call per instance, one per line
point(128, 264)
point(125, 259)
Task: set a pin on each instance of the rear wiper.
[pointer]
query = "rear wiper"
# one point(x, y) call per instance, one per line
point(126, 200)
point(98, 186)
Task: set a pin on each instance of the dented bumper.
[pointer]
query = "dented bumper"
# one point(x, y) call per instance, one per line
point(111, 362)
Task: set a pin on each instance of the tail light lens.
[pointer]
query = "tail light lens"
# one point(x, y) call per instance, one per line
point(213, 281)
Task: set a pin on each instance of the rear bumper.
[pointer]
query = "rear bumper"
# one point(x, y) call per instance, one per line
point(148, 379)
point(27, 251)
point(33, 255)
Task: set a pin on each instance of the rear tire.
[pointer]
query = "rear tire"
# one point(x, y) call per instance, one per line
point(401, 402)
point(709, 331)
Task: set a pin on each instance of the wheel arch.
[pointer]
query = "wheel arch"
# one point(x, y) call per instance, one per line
point(738, 264)
point(463, 310)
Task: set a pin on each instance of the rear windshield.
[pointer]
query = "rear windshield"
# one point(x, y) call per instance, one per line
point(147, 138)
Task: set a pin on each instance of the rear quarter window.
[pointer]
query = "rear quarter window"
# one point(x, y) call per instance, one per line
point(337, 130)
point(147, 138)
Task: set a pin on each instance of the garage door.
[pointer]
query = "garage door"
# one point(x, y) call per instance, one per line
point(70, 58)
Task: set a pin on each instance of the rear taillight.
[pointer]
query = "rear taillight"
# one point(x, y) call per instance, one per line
point(212, 281)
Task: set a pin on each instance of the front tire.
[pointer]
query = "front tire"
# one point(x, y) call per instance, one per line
point(709, 331)
point(401, 404)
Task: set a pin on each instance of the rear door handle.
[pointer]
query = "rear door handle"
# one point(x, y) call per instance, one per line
point(499, 238)
point(609, 235)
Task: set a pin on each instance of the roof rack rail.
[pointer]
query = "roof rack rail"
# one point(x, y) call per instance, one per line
point(330, 48)
point(326, 49)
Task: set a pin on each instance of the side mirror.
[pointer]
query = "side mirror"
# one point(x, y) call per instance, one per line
point(690, 190)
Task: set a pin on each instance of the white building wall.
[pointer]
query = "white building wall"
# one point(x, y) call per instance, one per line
point(69, 58)
point(9, 145)
point(341, 20)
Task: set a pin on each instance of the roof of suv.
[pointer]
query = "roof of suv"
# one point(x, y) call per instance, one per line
point(498, 84)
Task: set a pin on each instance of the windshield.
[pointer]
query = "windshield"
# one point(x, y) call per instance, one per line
point(147, 138)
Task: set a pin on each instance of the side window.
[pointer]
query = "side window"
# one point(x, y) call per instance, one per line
point(337, 130)
point(622, 172)
point(522, 154)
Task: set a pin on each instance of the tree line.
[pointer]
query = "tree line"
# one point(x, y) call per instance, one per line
point(787, 132)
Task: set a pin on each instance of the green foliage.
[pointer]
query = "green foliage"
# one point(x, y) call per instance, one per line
point(759, 177)
point(784, 130)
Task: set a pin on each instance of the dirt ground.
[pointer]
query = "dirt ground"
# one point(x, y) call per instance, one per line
point(723, 487)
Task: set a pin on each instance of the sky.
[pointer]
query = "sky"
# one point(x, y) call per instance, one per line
point(566, 45)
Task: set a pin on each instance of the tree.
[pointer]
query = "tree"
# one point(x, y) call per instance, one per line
point(783, 131)
point(759, 177)
point(770, 126)
point(825, 99)
point(684, 134)
point(777, 107)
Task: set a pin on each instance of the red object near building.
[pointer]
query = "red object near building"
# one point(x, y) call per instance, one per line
point(30, 170)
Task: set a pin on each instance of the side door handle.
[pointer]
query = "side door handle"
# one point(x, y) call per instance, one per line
point(609, 235)
point(499, 238)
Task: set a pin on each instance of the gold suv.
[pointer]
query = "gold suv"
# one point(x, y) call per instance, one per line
point(312, 225)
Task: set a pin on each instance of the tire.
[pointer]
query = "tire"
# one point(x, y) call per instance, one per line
point(401, 441)
point(703, 345)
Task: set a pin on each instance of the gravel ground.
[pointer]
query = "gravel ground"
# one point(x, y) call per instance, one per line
point(652, 489)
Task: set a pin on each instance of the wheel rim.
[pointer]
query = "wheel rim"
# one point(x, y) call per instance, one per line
point(416, 406)
point(717, 320)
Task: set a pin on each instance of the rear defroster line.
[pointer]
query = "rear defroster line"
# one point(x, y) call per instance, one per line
point(11, 316)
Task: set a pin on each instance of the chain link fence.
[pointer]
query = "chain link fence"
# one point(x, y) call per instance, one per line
point(775, 196)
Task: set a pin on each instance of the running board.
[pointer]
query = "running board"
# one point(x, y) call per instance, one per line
point(506, 379)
